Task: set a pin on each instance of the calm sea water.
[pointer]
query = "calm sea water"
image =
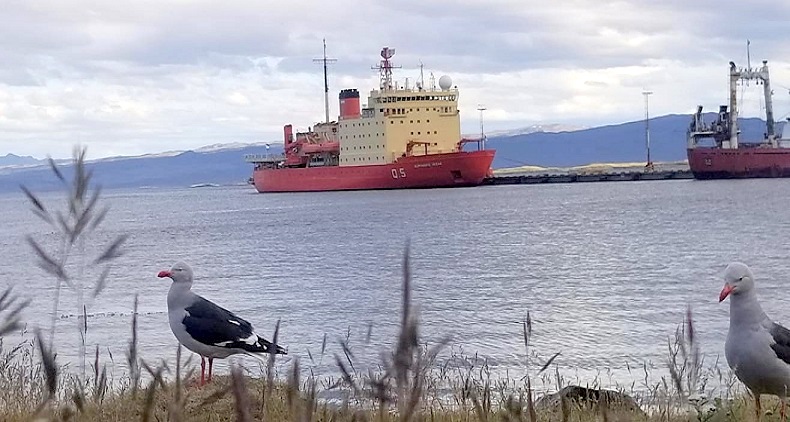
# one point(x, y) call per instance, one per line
point(605, 269)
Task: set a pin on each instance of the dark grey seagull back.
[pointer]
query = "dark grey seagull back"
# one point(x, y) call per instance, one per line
point(781, 336)
point(214, 325)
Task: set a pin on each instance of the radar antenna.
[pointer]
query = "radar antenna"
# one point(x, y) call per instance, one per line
point(385, 68)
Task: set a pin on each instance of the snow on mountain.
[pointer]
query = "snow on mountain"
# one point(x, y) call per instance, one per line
point(536, 128)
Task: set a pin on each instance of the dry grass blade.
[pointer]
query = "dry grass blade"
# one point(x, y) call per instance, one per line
point(98, 219)
point(240, 394)
point(78, 397)
point(292, 390)
point(131, 354)
point(546, 365)
point(272, 357)
point(54, 166)
point(148, 405)
point(527, 331)
point(46, 262)
point(113, 251)
point(84, 217)
point(39, 208)
point(349, 355)
point(407, 337)
point(50, 368)
point(100, 389)
point(96, 366)
point(11, 321)
point(177, 405)
point(156, 375)
point(101, 283)
point(81, 182)
point(346, 375)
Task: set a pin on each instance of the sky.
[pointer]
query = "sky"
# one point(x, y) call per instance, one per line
point(133, 77)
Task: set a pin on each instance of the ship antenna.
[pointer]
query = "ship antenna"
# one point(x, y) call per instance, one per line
point(326, 81)
point(422, 78)
point(385, 68)
point(481, 109)
point(748, 55)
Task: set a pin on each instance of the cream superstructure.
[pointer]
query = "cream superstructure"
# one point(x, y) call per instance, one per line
point(401, 120)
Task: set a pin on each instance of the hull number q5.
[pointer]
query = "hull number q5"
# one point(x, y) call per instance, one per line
point(399, 173)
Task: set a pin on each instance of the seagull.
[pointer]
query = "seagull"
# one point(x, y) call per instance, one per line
point(206, 328)
point(757, 349)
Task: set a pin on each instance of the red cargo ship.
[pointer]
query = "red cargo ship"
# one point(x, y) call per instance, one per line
point(728, 158)
point(373, 147)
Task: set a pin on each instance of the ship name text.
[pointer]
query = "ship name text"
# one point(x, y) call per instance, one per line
point(433, 164)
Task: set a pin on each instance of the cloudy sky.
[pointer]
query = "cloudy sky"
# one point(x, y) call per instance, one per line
point(133, 77)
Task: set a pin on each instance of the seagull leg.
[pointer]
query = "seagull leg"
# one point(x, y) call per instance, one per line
point(202, 370)
point(210, 366)
point(757, 409)
point(782, 409)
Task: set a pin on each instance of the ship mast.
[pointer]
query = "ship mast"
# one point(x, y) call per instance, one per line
point(422, 78)
point(326, 81)
point(385, 68)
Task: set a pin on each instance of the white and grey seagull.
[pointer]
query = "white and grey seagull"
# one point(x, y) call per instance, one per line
point(206, 328)
point(757, 348)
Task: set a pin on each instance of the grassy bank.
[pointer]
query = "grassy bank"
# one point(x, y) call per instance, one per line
point(405, 390)
point(414, 381)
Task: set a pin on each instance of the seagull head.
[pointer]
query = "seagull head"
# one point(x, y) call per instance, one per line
point(179, 273)
point(738, 279)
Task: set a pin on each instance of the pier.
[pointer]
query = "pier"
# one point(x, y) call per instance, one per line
point(593, 173)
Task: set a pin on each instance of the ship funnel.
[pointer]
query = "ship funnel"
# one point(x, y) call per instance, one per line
point(349, 104)
point(288, 134)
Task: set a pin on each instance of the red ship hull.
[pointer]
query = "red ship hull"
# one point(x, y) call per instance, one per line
point(457, 169)
point(741, 163)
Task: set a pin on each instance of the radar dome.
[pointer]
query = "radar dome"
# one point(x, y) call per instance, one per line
point(445, 82)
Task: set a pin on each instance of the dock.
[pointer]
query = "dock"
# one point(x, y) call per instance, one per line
point(582, 175)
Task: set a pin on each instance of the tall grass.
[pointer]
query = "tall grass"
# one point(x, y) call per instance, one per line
point(67, 261)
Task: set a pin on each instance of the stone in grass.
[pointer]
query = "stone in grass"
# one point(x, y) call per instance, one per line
point(589, 398)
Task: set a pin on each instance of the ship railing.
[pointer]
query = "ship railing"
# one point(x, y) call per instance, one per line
point(263, 158)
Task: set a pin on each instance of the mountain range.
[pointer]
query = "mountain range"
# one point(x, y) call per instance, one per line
point(223, 164)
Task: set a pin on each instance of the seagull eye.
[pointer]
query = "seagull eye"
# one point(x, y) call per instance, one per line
point(741, 278)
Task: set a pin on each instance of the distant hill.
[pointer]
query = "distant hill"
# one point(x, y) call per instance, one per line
point(615, 143)
point(224, 164)
point(15, 160)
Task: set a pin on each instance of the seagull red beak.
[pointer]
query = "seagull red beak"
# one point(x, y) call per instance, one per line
point(163, 274)
point(725, 292)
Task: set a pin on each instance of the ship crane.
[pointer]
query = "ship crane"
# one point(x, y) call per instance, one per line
point(411, 144)
point(759, 75)
point(725, 129)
